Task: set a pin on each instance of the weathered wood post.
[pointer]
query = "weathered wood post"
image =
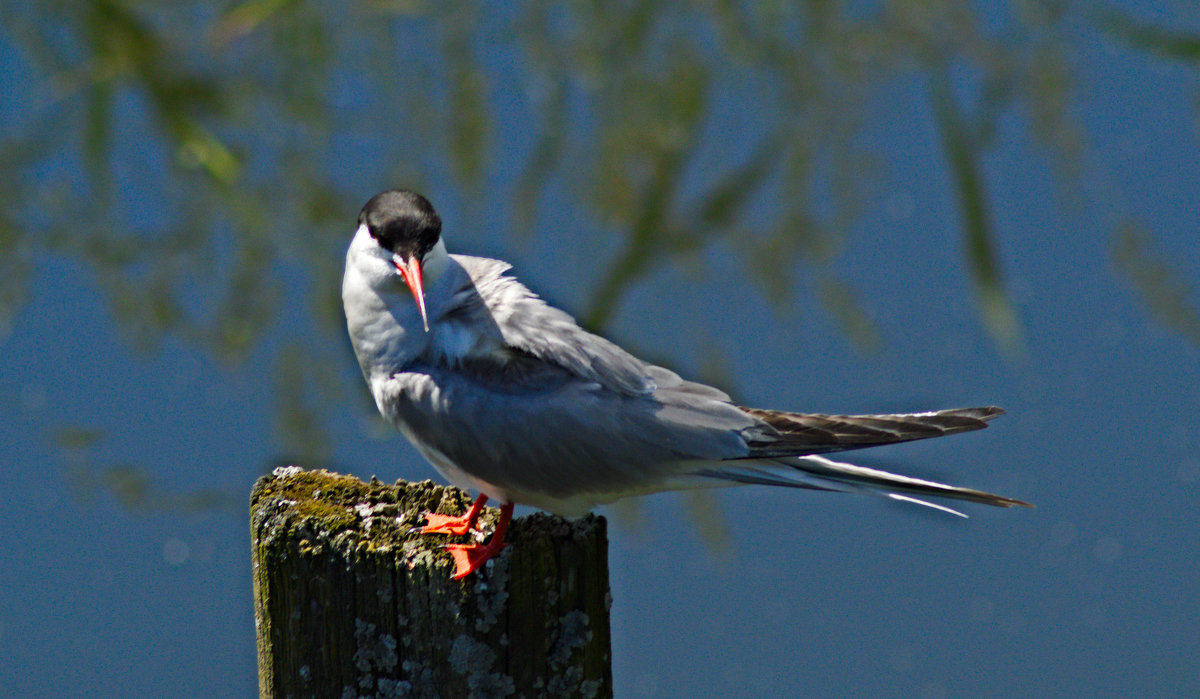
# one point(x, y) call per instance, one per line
point(349, 603)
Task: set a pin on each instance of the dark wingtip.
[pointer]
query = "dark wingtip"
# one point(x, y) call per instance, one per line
point(1002, 501)
point(987, 412)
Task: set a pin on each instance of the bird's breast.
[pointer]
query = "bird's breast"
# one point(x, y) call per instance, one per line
point(453, 341)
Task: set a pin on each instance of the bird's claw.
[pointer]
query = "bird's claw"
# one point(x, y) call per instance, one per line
point(445, 524)
point(469, 558)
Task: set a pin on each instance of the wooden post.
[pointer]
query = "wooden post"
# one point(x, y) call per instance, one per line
point(349, 603)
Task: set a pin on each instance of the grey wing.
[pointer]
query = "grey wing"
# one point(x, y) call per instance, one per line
point(534, 433)
point(668, 381)
point(529, 325)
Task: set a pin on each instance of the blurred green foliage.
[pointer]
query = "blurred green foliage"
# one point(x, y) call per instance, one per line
point(1168, 42)
point(190, 150)
point(130, 484)
point(1164, 287)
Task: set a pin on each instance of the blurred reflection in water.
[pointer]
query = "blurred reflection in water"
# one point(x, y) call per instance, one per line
point(203, 166)
point(193, 169)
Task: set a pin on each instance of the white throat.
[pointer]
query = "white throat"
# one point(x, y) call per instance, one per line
point(434, 265)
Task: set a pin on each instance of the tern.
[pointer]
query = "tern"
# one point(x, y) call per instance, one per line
point(507, 396)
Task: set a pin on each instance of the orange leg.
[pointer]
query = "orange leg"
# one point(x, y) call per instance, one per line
point(449, 524)
point(469, 558)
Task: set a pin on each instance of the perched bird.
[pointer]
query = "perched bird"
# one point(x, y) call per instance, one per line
point(508, 396)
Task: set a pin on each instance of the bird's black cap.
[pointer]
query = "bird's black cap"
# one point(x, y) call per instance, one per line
point(403, 222)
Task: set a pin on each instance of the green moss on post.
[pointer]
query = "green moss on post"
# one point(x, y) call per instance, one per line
point(349, 603)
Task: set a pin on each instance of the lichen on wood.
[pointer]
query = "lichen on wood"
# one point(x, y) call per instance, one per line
point(349, 601)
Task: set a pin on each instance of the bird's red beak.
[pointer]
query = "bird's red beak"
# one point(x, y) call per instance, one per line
point(410, 269)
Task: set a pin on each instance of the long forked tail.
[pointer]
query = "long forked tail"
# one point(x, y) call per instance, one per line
point(892, 484)
point(788, 453)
